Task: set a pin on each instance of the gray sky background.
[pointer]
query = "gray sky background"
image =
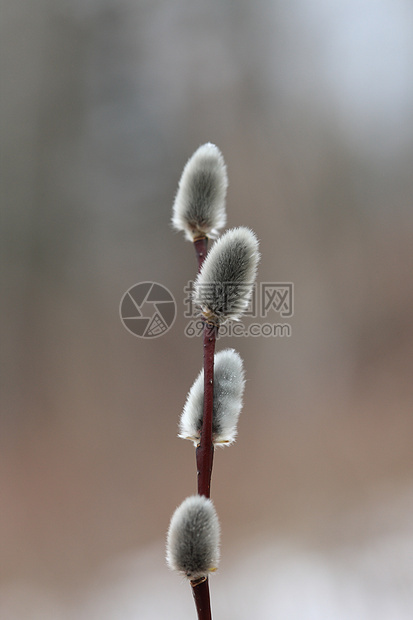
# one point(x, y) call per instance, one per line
point(102, 104)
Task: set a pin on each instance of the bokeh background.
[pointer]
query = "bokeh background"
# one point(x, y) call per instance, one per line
point(311, 103)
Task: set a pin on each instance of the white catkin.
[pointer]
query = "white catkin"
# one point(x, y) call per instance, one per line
point(192, 546)
point(199, 207)
point(224, 285)
point(228, 392)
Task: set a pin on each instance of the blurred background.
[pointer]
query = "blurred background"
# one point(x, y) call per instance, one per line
point(311, 103)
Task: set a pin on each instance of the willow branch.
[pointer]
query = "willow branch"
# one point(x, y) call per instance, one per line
point(200, 590)
point(205, 450)
point(201, 249)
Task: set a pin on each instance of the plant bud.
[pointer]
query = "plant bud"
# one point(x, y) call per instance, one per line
point(228, 391)
point(199, 207)
point(224, 285)
point(192, 546)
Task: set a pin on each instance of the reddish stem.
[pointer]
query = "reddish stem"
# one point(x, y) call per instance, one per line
point(201, 249)
point(205, 450)
point(202, 600)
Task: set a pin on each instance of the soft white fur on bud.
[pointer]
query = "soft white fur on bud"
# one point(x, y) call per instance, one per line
point(228, 391)
point(224, 285)
point(199, 207)
point(192, 546)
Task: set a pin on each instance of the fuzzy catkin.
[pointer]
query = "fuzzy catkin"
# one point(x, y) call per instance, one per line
point(228, 392)
point(192, 546)
point(224, 285)
point(199, 207)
